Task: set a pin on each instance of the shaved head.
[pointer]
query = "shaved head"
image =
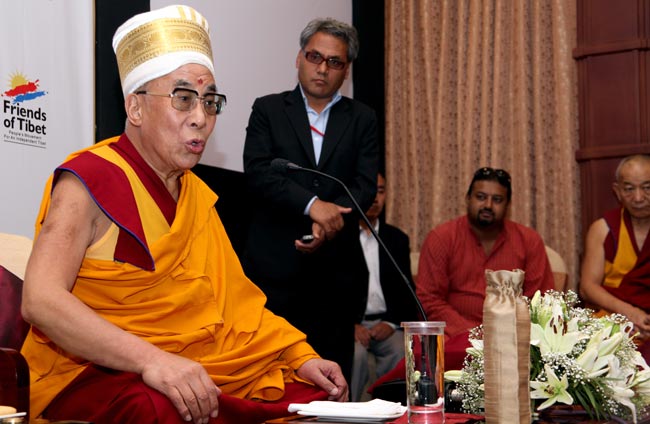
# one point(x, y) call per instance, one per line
point(643, 160)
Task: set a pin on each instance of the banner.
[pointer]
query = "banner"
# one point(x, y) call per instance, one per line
point(46, 96)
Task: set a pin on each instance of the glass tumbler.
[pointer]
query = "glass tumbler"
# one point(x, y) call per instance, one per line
point(425, 368)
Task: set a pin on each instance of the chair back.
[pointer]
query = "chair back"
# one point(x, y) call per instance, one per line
point(14, 372)
point(14, 253)
point(559, 269)
point(415, 263)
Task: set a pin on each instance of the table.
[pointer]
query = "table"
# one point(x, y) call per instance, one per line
point(450, 418)
point(562, 415)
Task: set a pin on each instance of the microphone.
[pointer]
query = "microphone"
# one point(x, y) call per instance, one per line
point(282, 165)
point(426, 386)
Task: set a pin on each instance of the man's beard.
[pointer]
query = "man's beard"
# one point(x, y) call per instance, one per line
point(481, 222)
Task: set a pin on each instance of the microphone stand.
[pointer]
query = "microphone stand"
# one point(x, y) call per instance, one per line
point(426, 386)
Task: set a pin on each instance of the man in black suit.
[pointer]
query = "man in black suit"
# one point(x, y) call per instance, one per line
point(385, 301)
point(310, 283)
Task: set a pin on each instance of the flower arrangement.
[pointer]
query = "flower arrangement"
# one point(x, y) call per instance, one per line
point(575, 358)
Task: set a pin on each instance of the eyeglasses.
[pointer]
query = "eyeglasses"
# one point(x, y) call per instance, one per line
point(332, 62)
point(184, 99)
point(487, 172)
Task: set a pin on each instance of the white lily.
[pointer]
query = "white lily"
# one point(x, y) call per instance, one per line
point(592, 363)
point(536, 300)
point(535, 303)
point(557, 336)
point(602, 345)
point(553, 389)
point(604, 342)
point(639, 360)
point(541, 309)
point(641, 383)
point(477, 348)
point(453, 375)
point(619, 383)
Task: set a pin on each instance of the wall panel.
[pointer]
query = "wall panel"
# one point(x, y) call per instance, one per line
point(612, 55)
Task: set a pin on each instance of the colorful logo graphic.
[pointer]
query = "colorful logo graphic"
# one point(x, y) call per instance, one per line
point(22, 89)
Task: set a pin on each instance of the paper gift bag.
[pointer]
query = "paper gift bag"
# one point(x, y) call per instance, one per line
point(506, 338)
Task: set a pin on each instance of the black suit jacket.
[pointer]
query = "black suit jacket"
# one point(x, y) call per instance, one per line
point(400, 304)
point(279, 128)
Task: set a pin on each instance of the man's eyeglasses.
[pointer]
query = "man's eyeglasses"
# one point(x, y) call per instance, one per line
point(332, 62)
point(487, 172)
point(184, 99)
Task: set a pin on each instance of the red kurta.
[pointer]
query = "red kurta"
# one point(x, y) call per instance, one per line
point(451, 275)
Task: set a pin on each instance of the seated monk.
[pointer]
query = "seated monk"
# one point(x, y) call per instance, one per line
point(139, 307)
point(615, 274)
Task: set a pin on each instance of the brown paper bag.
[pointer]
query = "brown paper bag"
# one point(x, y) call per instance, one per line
point(506, 346)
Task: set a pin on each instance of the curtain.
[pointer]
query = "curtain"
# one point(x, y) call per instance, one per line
point(483, 83)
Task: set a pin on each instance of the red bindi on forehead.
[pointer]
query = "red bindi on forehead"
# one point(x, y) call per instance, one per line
point(200, 81)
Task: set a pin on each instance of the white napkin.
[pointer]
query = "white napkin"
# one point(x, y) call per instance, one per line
point(14, 415)
point(373, 408)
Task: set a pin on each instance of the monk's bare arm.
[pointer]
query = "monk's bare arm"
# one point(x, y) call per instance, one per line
point(73, 223)
point(70, 227)
point(593, 274)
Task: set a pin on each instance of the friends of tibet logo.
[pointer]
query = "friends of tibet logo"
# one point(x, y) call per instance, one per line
point(26, 123)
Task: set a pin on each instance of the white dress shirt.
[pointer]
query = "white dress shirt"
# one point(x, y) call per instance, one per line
point(318, 124)
point(376, 303)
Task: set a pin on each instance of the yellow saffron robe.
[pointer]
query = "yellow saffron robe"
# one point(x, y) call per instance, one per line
point(196, 302)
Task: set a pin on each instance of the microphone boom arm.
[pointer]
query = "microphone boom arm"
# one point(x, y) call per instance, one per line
point(426, 386)
point(293, 166)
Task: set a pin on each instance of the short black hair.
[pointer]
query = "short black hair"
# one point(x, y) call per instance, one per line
point(486, 173)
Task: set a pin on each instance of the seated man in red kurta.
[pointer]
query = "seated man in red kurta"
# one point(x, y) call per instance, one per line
point(616, 266)
point(140, 310)
point(454, 256)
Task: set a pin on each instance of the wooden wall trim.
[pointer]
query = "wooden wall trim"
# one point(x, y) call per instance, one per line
point(611, 47)
point(607, 152)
